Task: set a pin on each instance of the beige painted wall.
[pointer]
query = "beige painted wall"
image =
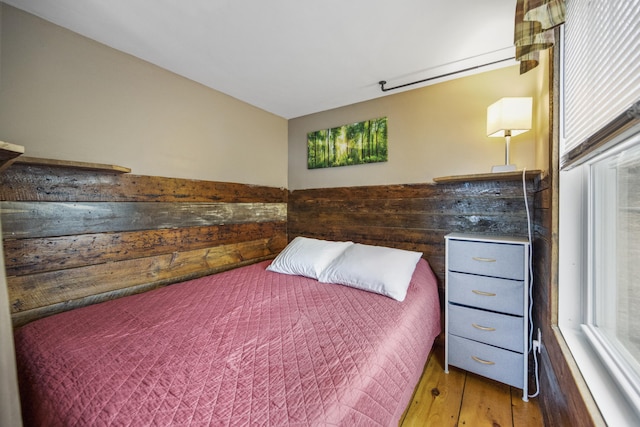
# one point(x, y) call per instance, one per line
point(434, 131)
point(63, 96)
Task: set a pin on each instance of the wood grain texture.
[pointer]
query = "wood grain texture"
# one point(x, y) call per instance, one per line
point(554, 397)
point(525, 414)
point(436, 400)
point(24, 317)
point(560, 397)
point(413, 217)
point(567, 393)
point(76, 235)
point(461, 399)
point(494, 176)
point(41, 219)
point(482, 402)
point(412, 191)
point(30, 256)
point(25, 182)
point(38, 290)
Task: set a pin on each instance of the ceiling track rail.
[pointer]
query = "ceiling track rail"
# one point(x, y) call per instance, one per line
point(387, 89)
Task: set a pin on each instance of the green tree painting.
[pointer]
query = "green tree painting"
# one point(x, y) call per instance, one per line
point(354, 144)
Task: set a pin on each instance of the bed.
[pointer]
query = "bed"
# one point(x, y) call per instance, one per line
point(248, 346)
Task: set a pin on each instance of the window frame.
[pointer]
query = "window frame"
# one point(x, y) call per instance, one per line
point(618, 401)
point(575, 290)
point(623, 373)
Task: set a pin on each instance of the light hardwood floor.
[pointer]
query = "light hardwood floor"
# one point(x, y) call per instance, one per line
point(464, 399)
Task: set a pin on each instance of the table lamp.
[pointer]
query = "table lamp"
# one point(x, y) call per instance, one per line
point(506, 118)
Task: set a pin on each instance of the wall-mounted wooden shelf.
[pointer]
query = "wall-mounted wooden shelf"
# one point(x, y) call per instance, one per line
point(498, 176)
point(12, 153)
point(72, 164)
point(9, 153)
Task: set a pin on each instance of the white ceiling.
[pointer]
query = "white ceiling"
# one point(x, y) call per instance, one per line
point(296, 57)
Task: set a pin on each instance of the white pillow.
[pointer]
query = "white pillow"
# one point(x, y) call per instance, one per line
point(386, 271)
point(307, 257)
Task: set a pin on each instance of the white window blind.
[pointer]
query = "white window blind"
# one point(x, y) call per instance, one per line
point(601, 67)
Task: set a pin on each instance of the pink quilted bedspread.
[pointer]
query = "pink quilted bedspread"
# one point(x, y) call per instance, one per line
point(244, 347)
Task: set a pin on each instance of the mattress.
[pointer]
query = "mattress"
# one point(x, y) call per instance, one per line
point(243, 347)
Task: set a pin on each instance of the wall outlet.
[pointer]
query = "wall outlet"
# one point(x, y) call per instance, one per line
point(537, 344)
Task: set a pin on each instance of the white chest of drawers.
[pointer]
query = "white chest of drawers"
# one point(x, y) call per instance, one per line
point(486, 307)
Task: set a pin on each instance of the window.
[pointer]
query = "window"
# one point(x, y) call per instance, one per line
point(616, 250)
point(611, 323)
point(599, 275)
point(599, 229)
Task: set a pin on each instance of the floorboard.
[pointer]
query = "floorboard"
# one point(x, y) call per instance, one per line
point(464, 399)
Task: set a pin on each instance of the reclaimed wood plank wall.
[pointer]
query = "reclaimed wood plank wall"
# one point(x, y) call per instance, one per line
point(74, 237)
point(413, 217)
point(561, 400)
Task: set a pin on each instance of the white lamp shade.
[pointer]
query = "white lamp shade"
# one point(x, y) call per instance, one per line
point(509, 114)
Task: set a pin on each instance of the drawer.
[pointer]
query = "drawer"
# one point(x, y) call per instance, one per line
point(487, 258)
point(491, 362)
point(500, 330)
point(490, 293)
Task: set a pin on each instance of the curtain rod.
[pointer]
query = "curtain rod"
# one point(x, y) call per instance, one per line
point(386, 89)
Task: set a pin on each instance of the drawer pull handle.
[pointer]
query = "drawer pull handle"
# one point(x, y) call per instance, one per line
point(483, 328)
point(477, 258)
point(484, 294)
point(484, 362)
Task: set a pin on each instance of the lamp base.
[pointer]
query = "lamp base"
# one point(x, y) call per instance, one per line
point(504, 168)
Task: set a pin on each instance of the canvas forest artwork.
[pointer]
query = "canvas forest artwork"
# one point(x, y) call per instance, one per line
point(354, 144)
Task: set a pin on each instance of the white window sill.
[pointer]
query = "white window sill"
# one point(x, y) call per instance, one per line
point(614, 407)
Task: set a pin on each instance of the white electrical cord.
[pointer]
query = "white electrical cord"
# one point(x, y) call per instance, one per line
point(535, 356)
